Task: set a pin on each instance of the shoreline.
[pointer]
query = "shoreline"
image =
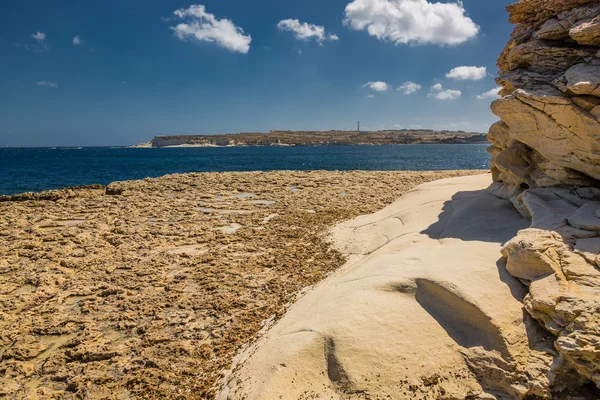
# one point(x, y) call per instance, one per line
point(143, 146)
point(157, 283)
point(183, 146)
point(65, 192)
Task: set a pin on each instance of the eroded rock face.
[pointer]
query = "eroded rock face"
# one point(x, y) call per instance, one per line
point(559, 262)
point(546, 160)
point(550, 75)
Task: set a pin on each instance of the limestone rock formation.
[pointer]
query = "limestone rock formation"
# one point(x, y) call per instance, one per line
point(424, 310)
point(546, 160)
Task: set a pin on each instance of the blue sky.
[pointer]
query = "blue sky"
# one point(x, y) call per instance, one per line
point(120, 72)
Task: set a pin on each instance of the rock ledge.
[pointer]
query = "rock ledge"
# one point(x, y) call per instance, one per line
point(546, 160)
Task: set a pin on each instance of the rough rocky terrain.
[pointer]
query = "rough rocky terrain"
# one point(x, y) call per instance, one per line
point(147, 289)
point(424, 309)
point(546, 160)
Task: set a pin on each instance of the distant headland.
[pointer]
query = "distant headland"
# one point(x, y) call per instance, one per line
point(317, 138)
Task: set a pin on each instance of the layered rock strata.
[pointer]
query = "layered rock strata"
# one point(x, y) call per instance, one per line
point(546, 160)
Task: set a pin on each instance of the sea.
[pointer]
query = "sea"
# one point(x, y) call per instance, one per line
point(39, 169)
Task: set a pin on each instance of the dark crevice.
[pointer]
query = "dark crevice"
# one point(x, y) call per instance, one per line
point(335, 370)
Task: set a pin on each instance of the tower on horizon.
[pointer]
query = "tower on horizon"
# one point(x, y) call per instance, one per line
point(358, 126)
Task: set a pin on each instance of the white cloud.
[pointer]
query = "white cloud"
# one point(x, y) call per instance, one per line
point(490, 94)
point(39, 46)
point(437, 87)
point(397, 126)
point(409, 87)
point(204, 27)
point(39, 36)
point(411, 21)
point(47, 84)
point(377, 86)
point(448, 95)
point(76, 41)
point(305, 31)
point(371, 96)
point(465, 73)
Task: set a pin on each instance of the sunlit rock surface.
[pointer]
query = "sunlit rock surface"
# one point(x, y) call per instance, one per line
point(546, 160)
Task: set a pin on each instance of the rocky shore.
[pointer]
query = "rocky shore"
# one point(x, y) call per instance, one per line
point(262, 286)
point(147, 289)
point(470, 288)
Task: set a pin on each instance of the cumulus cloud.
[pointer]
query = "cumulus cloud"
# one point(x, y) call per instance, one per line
point(305, 31)
point(490, 94)
point(377, 86)
point(204, 27)
point(437, 87)
point(47, 84)
point(76, 41)
point(467, 73)
point(40, 44)
point(411, 21)
point(409, 87)
point(448, 95)
point(39, 36)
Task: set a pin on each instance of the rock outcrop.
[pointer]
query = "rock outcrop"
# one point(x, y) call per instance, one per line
point(146, 289)
point(424, 309)
point(546, 160)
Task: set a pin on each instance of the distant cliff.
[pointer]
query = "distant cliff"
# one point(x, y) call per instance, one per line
point(317, 138)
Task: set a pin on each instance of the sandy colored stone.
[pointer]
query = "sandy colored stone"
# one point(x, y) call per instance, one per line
point(548, 164)
point(586, 33)
point(539, 11)
point(571, 137)
point(135, 291)
point(424, 309)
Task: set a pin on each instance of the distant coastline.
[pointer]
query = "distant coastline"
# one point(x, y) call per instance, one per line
point(38, 169)
point(316, 138)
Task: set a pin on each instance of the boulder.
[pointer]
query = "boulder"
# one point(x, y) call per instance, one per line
point(586, 33)
point(583, 79)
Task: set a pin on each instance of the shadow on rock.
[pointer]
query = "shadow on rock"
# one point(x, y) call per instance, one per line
point(477, 216)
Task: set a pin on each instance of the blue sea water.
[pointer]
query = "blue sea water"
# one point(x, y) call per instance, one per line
point(37, 169)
